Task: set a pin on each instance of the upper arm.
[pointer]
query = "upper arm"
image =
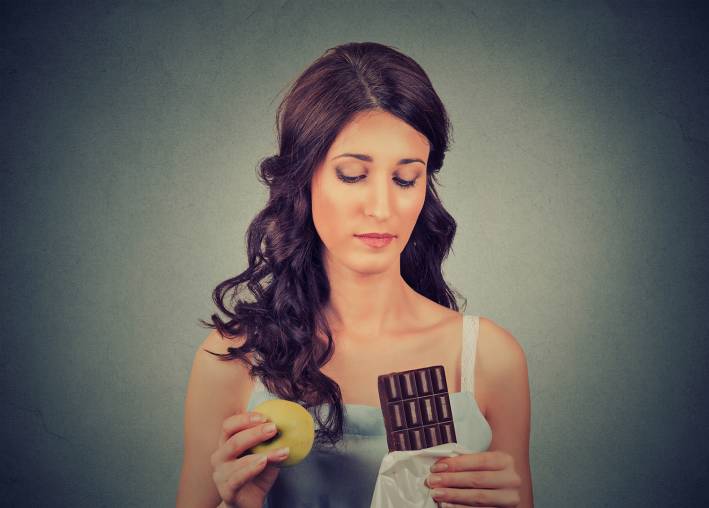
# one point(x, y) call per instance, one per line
point(508, 407)
point(216, 389)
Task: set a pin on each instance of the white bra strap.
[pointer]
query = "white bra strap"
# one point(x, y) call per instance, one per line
point(471, 328)
point(258, 385)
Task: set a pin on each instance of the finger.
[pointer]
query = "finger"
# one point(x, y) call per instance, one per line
point(243, 471)
point(279, 455)
point(490, 461)
point(454, 505)
point(242, 441)
point(225, 470)
point(477, 497)
point(238, 422)
point(475, 479)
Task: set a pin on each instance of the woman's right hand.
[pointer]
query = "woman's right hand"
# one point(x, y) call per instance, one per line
point(242, 479)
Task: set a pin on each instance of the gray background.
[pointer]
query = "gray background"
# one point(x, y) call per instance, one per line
point(578, 177)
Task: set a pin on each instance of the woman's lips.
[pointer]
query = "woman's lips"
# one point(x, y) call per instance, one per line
point(376, 242)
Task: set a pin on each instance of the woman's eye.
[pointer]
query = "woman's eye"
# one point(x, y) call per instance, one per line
point(348, 179)
point(405, 183)
point(354, 179)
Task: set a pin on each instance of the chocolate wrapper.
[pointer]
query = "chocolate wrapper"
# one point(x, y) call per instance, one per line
point(402, 476)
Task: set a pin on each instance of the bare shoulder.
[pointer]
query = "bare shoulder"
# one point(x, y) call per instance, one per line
point(498, 342)
point(501, 361)
point(229, 378)
point(216, 343)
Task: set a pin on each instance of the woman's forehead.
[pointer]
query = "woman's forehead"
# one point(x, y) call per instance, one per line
point(380, 135)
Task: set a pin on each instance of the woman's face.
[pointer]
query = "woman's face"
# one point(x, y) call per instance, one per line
point(379, 188)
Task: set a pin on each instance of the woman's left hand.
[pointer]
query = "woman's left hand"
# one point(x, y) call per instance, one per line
point(475, 479)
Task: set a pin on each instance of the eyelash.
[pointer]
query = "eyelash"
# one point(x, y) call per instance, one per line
point(405, 184)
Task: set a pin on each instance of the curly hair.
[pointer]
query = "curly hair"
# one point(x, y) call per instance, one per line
point(283, 317)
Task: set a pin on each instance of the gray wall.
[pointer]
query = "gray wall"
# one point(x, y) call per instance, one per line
point(578, 177)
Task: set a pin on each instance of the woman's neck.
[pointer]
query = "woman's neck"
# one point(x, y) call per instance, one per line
point(368, 306)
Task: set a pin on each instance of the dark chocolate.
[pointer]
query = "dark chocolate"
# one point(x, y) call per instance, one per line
point(416, 408)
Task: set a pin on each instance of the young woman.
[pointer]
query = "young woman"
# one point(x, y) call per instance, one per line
point(332, 305)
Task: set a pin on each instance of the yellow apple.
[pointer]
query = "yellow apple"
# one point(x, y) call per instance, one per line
point(294, 428)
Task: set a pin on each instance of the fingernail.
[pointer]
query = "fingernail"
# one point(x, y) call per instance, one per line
point(436, 493)
point(438, 467)
point(270, 428)
point(281, 453)
point(257, 418)
point(433, 479)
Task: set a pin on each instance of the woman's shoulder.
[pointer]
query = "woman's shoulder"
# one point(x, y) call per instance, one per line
point(498, 347)
point(499, 344)
point(499, 354)
point(230, 378)
point(215, 344)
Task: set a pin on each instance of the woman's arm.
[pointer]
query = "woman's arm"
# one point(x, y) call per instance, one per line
point(504, 369)
point(215, 391)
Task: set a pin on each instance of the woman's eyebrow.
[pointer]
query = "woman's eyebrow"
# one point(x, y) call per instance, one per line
point(368, 158)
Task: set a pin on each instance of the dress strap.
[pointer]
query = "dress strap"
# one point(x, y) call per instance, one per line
point(258, 385)
point(471, 329)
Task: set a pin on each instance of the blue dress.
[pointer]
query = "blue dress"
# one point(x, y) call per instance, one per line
point(345, 476)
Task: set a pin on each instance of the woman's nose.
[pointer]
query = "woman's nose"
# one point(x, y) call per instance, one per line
point(378, 200)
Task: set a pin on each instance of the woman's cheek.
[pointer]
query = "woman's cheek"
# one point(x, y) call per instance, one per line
point(334, 230)
point(410, 210)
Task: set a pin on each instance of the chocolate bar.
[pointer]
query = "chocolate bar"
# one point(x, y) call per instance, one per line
point(416, 408)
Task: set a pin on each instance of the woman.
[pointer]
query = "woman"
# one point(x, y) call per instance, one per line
point(361, 134)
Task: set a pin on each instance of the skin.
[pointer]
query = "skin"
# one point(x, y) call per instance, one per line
point(380, 324)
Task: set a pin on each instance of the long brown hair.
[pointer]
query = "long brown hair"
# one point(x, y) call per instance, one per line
point(288, 286)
